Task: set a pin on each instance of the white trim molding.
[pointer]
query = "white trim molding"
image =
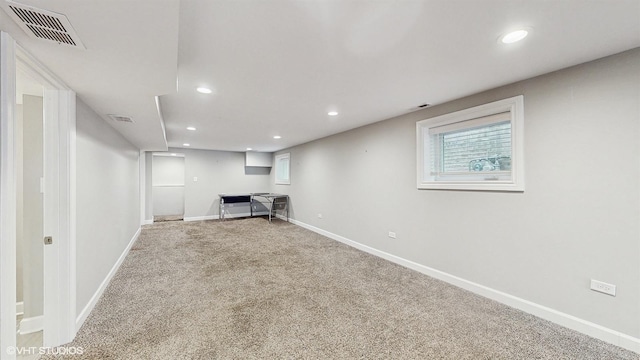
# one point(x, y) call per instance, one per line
point(569, 321)
point(202, 218)
point(8, 195)
point(82, 317)
point(20, 308)
point(32, 324)
point(59, 201)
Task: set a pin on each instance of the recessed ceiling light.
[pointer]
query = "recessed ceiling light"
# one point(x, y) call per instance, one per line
point(277, 137)
point(204, 90)
point(249, 149)
point(514, 36)
point(191, 128)
point(332, 113)
point(185, 144)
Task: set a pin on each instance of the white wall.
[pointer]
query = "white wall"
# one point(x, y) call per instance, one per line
point(217, 172)
point(577, 219)
point(108, 200)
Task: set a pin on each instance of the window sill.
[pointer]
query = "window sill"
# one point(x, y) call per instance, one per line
point(472, 186)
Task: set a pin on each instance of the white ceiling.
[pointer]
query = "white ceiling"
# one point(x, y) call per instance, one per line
point(131, 56)
point(277, 67)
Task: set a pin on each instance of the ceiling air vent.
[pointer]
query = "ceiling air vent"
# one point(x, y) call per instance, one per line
point(419, 107)
point(120, 118)
point(44, 24)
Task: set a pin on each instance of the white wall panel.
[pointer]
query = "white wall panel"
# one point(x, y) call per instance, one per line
point(168, 200)
point(168, 185)
point(168, 170)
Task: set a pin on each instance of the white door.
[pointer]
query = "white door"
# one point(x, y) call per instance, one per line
point(168, 185)
point(58, 200)
point(30, 208)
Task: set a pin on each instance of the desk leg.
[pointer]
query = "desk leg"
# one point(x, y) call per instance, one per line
point(270, 209)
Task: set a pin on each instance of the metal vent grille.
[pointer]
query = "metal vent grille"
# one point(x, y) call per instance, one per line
point(121, 118)
point(419, 107)
point(44, 24)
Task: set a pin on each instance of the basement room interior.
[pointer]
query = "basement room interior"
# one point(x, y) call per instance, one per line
point(378, 179)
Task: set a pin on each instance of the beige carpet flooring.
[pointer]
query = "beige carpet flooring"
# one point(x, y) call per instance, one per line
point(247, 289)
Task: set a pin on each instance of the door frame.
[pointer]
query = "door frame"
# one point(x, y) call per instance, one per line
point(59, 199)
point(8, 197)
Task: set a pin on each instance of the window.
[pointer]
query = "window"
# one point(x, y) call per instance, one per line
point(283, 169)
point(480, 148)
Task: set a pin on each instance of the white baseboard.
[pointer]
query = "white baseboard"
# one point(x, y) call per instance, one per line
point(96, 296)
point(201, 218)
point(20, 308)
point(32, 324)
point(569, 321)
point(146, 222)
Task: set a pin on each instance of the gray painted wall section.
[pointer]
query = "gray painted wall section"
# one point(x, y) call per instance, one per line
point(108, 200)
point(217, 172)
point(577, 219)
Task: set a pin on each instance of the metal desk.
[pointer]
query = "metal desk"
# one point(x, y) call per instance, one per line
point(233, 199)
point(275, 202)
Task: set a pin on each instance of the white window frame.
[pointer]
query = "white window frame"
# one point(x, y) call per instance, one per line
point(278, 163)
point(515, 107)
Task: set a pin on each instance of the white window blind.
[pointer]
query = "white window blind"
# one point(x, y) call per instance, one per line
point(480, 149)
